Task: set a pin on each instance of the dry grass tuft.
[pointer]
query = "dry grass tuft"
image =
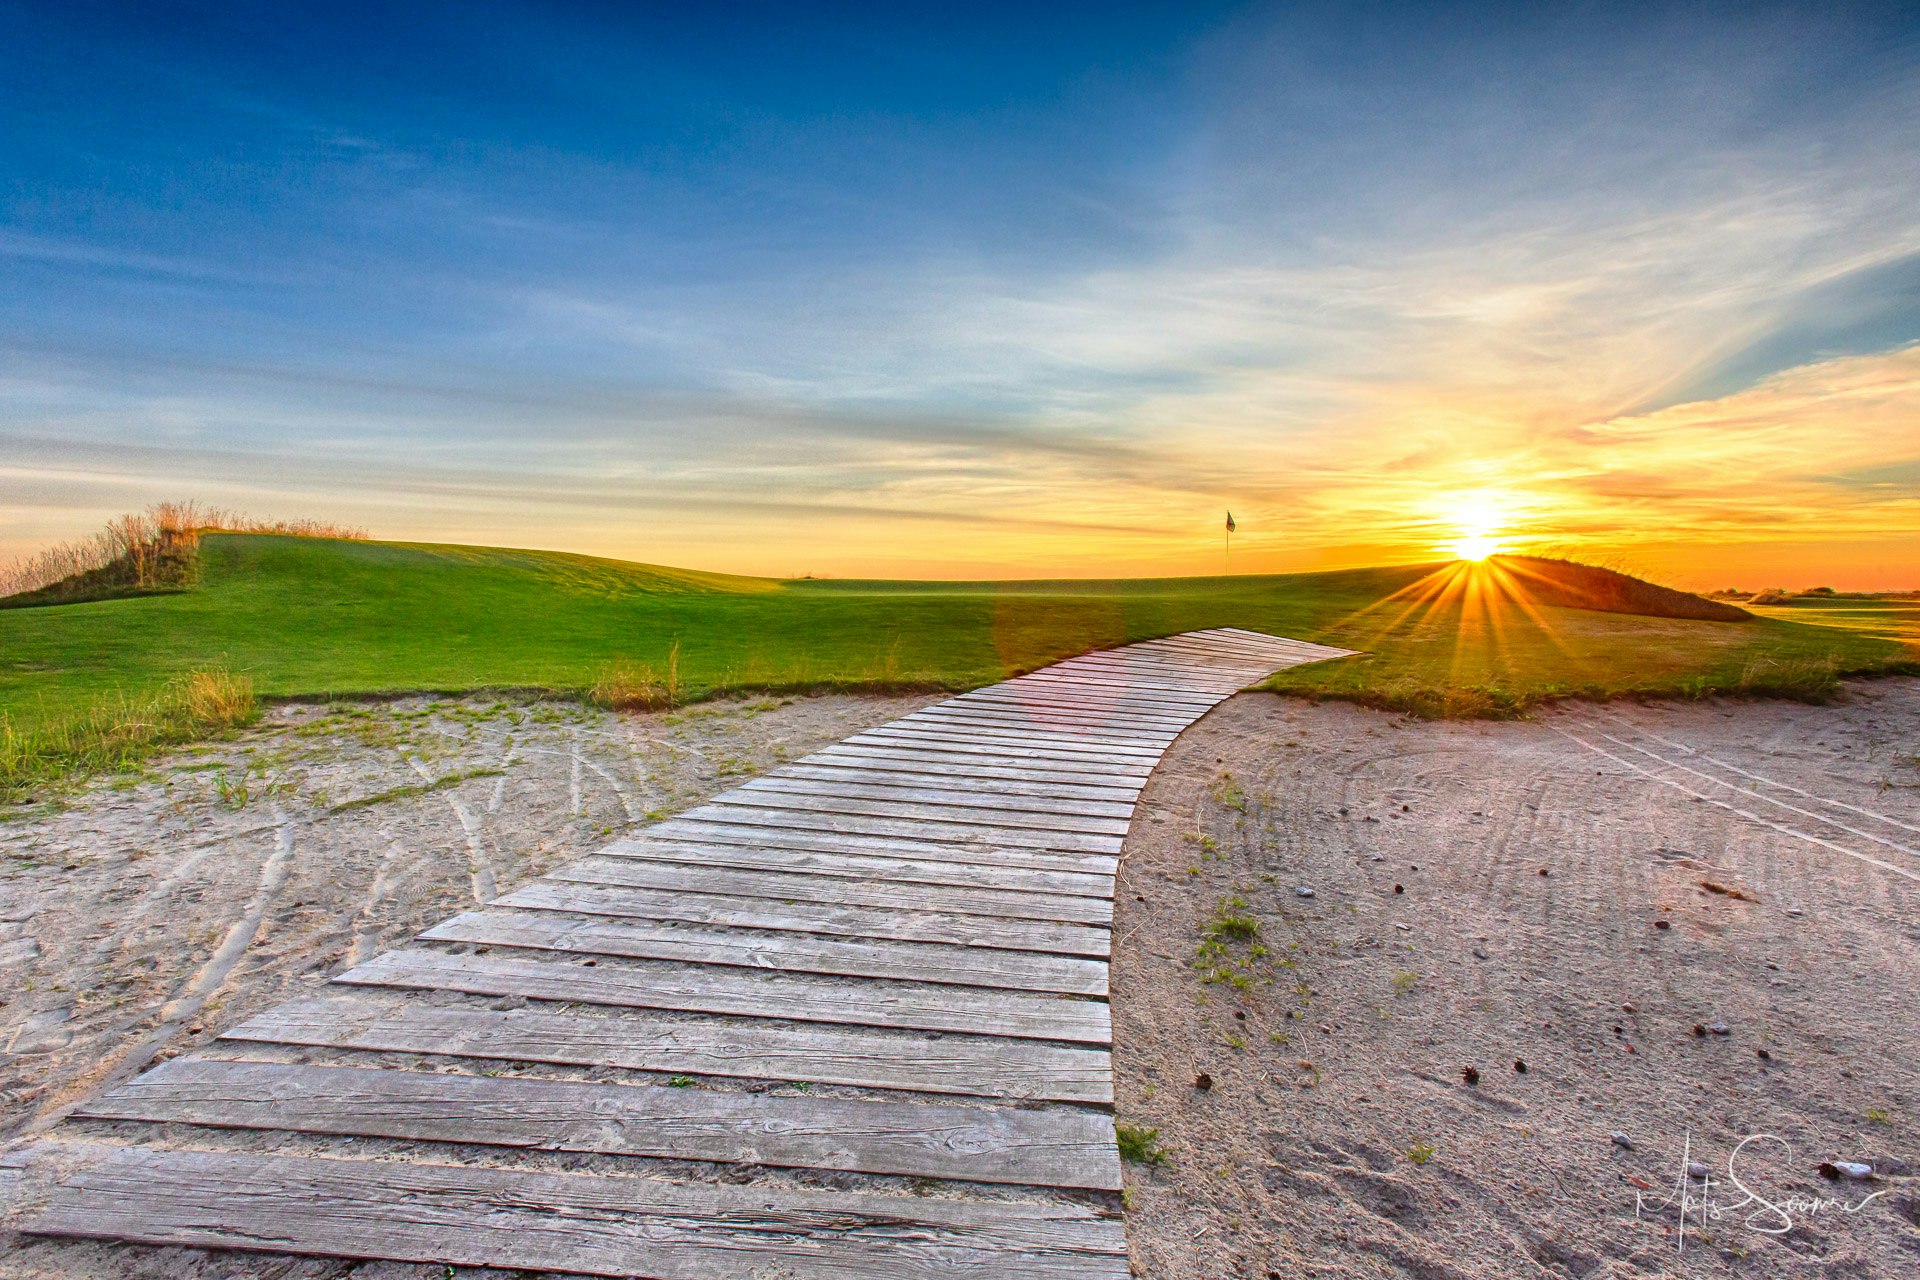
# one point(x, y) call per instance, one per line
point(624, 685)
point(219, 698)
point(627, 685)
point(118, 733)
point(1801, 679)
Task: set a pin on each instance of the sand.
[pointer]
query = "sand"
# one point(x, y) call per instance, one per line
point(1338, 1136)
point(1487, 895)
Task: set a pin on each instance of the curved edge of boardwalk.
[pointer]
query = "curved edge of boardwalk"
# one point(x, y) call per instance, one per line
point(848, 1020)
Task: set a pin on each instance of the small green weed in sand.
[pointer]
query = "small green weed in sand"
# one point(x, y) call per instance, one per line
point(232, 791)
point(1229, 925)
point(1421, 1151)
point(1230, 922)
point(1139, 1145)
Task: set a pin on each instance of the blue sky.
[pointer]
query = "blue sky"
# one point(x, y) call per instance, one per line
point(973, 290)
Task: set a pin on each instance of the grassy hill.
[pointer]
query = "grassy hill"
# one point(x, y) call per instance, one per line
point(318, 617)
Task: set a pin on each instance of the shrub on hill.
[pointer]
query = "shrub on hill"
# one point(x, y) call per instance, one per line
point(141, 554)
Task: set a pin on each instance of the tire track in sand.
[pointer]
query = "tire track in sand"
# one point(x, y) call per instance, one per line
point(1765, 781)
point(1650, 775)
point(193, 994)
point(1754, 794)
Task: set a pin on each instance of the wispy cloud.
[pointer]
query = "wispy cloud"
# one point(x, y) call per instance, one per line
point(1364, 278)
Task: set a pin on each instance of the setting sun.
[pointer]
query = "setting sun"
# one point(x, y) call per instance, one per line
point(1476, 547)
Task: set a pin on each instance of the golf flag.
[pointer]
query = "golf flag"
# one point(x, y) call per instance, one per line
point(1229, 522)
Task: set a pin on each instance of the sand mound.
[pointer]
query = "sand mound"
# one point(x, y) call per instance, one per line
point(1583, 586)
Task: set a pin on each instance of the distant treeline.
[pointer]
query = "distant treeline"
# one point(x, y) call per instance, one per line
point(1780, 595)
point(135, 554)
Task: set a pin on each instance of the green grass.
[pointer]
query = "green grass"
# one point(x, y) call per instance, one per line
point(1453, 660)
point(1888, 617)
point(1139, 1145)
point(316, 618)
point(117, 731)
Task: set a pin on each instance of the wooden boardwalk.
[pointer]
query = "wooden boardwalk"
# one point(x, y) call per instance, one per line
point(848, 1020)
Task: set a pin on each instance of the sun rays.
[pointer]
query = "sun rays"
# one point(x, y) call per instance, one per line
point(1480, 606)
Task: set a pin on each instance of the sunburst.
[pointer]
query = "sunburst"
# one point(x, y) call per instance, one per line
point(1476, 547)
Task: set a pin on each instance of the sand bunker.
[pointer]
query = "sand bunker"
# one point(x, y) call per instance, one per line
point(1725, 942)
point(1578, 895)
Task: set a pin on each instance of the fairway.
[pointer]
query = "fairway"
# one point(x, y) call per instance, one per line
point(310, 617)
point(1890, 617)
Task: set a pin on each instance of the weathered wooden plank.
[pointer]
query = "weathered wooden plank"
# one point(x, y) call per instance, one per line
point(906, 1006)
point(920, 813)
point(1079, 698)
point(597, 1225)
point(1005, 782)
point(848, 891)
point(1144, 689)
point(970, 764)
point(986, 1068)
point(1316, 651)
point(1281, 650)
point(996, 853)
point(1213, 678)
point(1088, 745)
point(957, 833)
point(1090, 685)
point(1073, 714)
point(1077, 724)
point(1172, 664)
point(874, 923)
point(874, 787)
point(1105, 681)
point(1009, 745)
point(1263, 642)
point(908, 798)
point(1168, 664)
point(1046, 755)
point(702, 853)
point(780, 952)
point(1212, 649)
point(1026, 763)
point(1090, 730)
point(1051, 1148)
point(1054, 695)
point(940, 726)
point(1167, 681)
point(1150, 662)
